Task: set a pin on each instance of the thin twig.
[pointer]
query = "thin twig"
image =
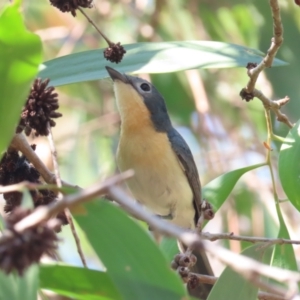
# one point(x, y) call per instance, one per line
point(43, 213)
point(275, 106)
point(269, 296)
point(54, 157)
point(95, 26)
point(20, 143)
point(27, 185)
point(59, 184)
point(271, 53)
point(267, 61)
point(24, 185)
point(207, 279)
point(251, 239)
point(250, 268)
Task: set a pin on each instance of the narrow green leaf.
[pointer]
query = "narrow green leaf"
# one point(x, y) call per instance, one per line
point(78, 283)
point(217, 191)
point(289, 165)
point(20, 53)
point(14, 287)
point(133, 261)
point(150, 58)
point(233, 286)
point(284, 255)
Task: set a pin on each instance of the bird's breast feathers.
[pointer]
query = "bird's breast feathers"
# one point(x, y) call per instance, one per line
point(159, 181)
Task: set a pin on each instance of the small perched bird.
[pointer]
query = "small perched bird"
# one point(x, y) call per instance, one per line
point(166, 178)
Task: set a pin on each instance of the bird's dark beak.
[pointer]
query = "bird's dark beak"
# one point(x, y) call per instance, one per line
point(115, 75)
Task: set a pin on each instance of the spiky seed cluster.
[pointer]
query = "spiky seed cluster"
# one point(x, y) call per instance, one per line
point(15, 169)
point(19, 251)
point(71, 5)
point(114, 52)
point(40, 108)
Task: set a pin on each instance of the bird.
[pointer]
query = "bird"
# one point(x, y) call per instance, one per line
point(166, 179)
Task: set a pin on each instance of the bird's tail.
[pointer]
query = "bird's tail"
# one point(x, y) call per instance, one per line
point(203, 267)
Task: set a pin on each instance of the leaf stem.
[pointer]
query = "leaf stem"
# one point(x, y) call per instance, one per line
point(95, 26)
point(277, 138)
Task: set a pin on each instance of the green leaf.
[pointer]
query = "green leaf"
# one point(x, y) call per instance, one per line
point(14, 287)
point(289, 165)
point(284, 255)
point(133, 261)
point(150, 58)
point(79, 283)
point(169, 247)
point(217, 191)
point(20, 53)
point(233, 286)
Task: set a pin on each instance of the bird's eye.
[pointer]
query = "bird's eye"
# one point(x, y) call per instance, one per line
point(145, 87)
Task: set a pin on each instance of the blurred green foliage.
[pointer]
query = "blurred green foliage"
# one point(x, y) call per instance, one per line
point(225, 133)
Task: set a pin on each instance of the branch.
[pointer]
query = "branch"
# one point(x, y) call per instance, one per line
point(44, 213)
point(276, 42)
point(275, 106)
point(231, 236)
point(59, 184)
point(20, 143)
point(207, 279)
point(249, 92)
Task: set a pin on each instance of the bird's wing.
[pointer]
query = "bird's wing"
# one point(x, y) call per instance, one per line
point(186, 159)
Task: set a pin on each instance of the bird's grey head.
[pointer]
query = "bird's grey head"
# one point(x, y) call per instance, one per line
point(151, 98)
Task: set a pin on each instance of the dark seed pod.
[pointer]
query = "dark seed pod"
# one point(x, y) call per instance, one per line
point(39, 109)
point(71, 5)
point(19, 251)
point(15, 168)
point(114, 53)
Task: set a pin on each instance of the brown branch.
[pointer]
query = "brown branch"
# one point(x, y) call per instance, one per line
point(251, 269)
point(269, 296)
point(249, 92)
point(271, 53)
point(43, 213)
point(275, 106)
point(207, 279)
point(54, 157)
point(22, 186)
point(59, 184)
point(231, 236)
point(20, 143)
